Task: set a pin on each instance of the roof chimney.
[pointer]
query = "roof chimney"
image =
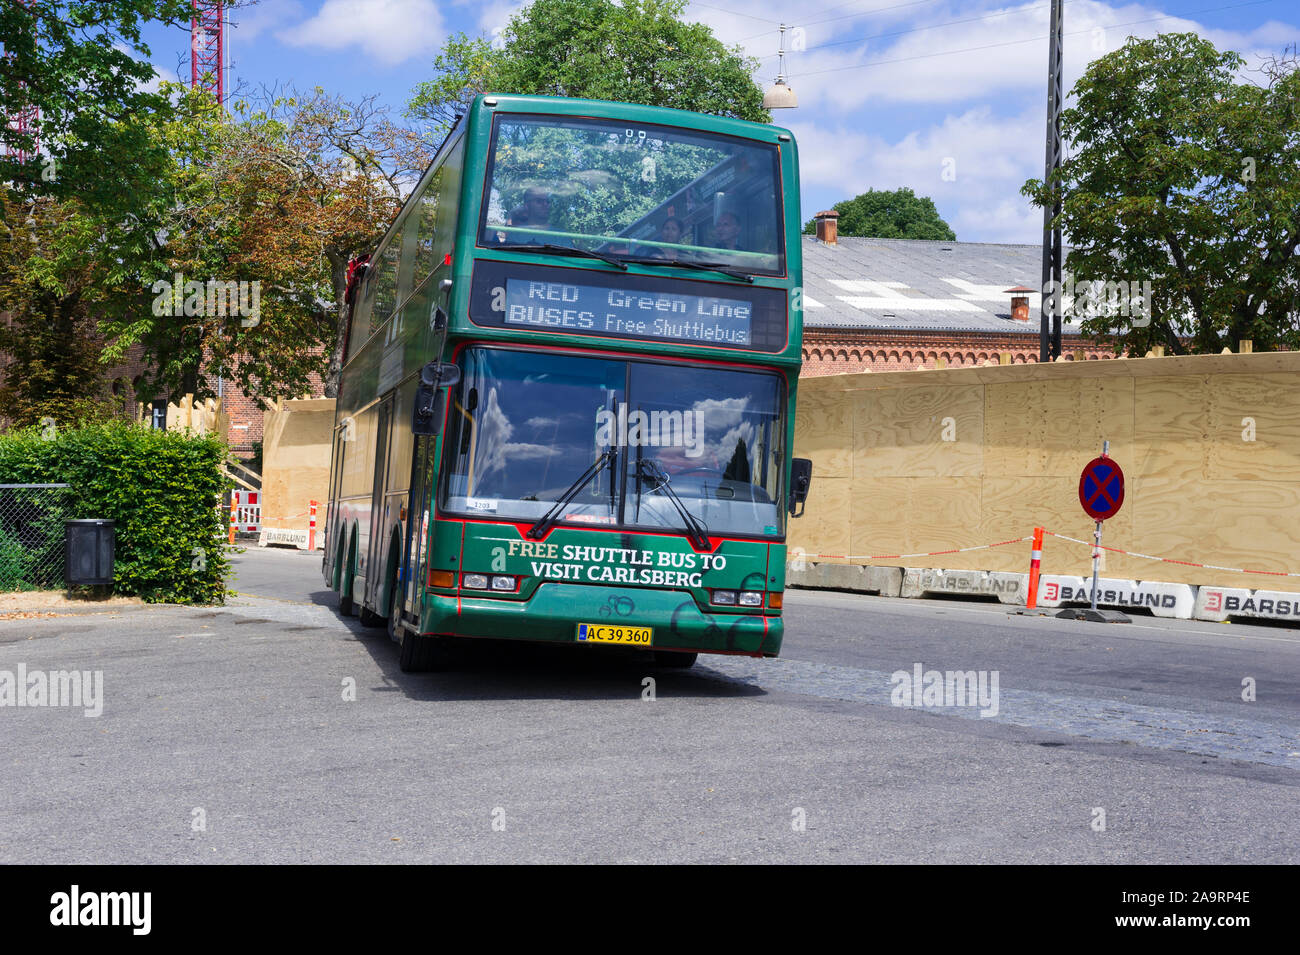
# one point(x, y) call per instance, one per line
point(1019, 302)
point(827, 226)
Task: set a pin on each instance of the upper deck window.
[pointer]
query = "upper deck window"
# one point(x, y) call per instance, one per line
point(634, 191)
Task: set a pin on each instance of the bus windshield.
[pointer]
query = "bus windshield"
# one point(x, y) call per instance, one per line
point(526, 426)
point(641, 191)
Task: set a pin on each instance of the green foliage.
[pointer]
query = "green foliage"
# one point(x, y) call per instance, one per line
point(15, 563)
point(84, 66)
point(637, 51)
point(882, 214)
point(160, 487)
point(50, 338)
point(1181, 175)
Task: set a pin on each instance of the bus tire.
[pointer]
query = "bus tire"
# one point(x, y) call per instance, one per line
point(371, 619)
point(673, 658)
point(420, 654)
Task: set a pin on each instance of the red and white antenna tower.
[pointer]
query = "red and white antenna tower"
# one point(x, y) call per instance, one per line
point(207, 47)
point(25, 120)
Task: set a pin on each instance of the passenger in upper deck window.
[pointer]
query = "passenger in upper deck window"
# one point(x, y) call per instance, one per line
point(726, 232)
point(537, 206)
point(673, 231)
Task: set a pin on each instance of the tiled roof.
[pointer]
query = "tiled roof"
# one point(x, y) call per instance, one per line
point(920, 285)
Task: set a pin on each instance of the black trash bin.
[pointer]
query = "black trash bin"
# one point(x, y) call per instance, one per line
point(90, 552)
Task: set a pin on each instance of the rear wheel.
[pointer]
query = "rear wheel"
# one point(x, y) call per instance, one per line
point(671, 658)
point(371, 619)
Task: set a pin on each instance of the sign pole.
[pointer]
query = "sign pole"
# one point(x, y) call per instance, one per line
point(1096, 537)
point(1101, 492)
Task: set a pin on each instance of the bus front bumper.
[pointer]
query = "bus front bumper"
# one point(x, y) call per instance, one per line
point(555, 610)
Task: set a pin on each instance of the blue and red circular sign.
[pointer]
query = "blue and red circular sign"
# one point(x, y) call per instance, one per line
point(1101, 488)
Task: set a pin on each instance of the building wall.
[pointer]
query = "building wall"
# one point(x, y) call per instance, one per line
point(921, 462)
point(839, 352)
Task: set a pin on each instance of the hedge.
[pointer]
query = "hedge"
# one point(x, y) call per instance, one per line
point(161, 487)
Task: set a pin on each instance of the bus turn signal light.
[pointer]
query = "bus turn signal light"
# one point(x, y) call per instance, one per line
point(442, 578)
point(774, 600)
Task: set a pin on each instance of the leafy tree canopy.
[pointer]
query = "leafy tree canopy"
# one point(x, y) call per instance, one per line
point(884, 214)
point(637, 51)
point(1184, 176)
point(80, 72)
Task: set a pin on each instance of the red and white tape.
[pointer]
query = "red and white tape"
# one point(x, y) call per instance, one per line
point(933, 553)
point(1171, 560)
point(1037, 554)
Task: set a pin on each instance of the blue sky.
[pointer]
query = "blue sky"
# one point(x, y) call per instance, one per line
point(945, 96)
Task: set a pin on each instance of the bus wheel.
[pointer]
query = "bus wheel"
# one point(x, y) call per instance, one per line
point(421, 654)
point(670, 658)
point(371, 619)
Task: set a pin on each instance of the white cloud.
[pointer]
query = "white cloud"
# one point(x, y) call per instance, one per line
point(248, 23)
point(972, 165)
point(391, 31)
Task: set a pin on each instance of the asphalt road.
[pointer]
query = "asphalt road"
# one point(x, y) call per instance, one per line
point(230, 735)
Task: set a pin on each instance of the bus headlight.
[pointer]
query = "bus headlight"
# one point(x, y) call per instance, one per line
point(751, 598)
point(500, 582)
point(475, 581)
point(726, 598)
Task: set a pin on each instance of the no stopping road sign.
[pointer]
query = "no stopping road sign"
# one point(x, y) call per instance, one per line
point(1101, 488)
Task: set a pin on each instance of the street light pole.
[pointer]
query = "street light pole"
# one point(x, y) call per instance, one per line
point(1049, 340)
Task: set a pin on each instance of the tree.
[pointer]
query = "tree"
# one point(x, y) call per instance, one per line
point(270, 203)
point(900, 214)
point(638, 51)
point(50, 340)
point(1181, 176)
point(83, 67)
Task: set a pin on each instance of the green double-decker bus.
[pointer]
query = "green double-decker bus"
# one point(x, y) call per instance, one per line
point(567, 404)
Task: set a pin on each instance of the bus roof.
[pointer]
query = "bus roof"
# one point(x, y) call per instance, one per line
point(610, 109)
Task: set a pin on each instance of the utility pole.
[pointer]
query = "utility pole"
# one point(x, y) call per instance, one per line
point(1049, 337)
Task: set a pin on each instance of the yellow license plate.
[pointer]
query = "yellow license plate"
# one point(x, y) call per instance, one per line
point(615, 633)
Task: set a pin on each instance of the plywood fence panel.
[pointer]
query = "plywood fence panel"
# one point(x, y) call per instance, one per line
point(942, 513)
point(885, 478)
point(923, 432)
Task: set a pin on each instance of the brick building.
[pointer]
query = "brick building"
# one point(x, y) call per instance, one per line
point(898, 304)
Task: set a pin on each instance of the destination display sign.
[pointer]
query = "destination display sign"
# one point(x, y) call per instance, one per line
point(583, 302)
point(616, 311)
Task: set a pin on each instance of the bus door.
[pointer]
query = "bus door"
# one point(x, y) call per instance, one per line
point(416, 558)
point(376, 547)
point(335, 490)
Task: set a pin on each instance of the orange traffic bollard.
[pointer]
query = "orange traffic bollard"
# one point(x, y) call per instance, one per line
point(1035, 557)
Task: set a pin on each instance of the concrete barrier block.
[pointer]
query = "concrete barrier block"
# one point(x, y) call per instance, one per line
point(1161, 598)
point(1221, 603)
point(1008, 588)
point(856, 577)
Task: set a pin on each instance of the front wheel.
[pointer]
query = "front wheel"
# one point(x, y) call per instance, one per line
point(420, 654)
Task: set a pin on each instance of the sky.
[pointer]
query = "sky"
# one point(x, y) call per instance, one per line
point(945, 96)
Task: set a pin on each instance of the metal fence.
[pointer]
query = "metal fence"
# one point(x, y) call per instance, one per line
point(32, 550)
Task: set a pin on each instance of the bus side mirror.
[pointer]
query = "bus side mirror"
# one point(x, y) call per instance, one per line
point(433, 377)
point(800, 481)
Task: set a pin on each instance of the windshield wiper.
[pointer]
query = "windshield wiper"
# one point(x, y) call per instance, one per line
point(696, 529)
point(697, 266)
point(551, 249)
point(538, 530)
